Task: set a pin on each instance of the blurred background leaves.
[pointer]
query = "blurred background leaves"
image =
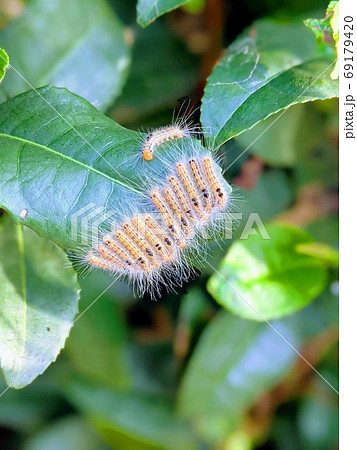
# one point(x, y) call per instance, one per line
point(80, 45)
point(181, 372)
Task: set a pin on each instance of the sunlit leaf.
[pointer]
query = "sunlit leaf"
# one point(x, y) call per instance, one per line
point(326, 32)
point(51, 171)
point(262, 279)
point(38, 302)
point(319, 250)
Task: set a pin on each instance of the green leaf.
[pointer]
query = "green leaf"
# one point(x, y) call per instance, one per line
point(334, 8)
point(131, 419)
point(62, 161)
point(235, 362)
point(4, 62)
point(321, 251)
point(194, 6)
point(79, 45)
point(51, 171)
point(148, 10)
point(70, 432)
point(326, 32)
point(270, 67)
point(38, 302)
point(268, 278)
point(278, 140)
point(276, 143)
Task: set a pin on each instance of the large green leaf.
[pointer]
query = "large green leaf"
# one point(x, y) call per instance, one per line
point(132, 420)
point(38, 302)
point(271, 66)
point(64, 161)
point(79, 45)
point(262, 279)
point(4, 62)
point(148, 10)
point(235, 362)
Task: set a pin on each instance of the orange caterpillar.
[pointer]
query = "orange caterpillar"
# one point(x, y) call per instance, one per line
point(161, 135)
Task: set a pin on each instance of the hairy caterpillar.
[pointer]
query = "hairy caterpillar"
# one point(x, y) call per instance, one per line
point(180, 128)
point(161, 135)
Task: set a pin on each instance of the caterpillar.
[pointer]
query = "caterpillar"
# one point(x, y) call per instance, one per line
point(181, 127)
point(161, 135)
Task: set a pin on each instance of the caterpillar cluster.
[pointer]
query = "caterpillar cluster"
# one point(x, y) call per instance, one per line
point(155, 243)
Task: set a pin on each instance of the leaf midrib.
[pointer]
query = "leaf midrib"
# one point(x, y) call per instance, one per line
point(68, 158)
point(268, 276)
point(21, 248)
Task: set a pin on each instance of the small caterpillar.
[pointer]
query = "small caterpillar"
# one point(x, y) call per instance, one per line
point(142, 243)
point(155, 235)
point(199, 178)
point(190, 185)
point(145, 247)
point(135, 251)
point(161, 135)
point(177, 211)
point(214, 182)
point(168, 216)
